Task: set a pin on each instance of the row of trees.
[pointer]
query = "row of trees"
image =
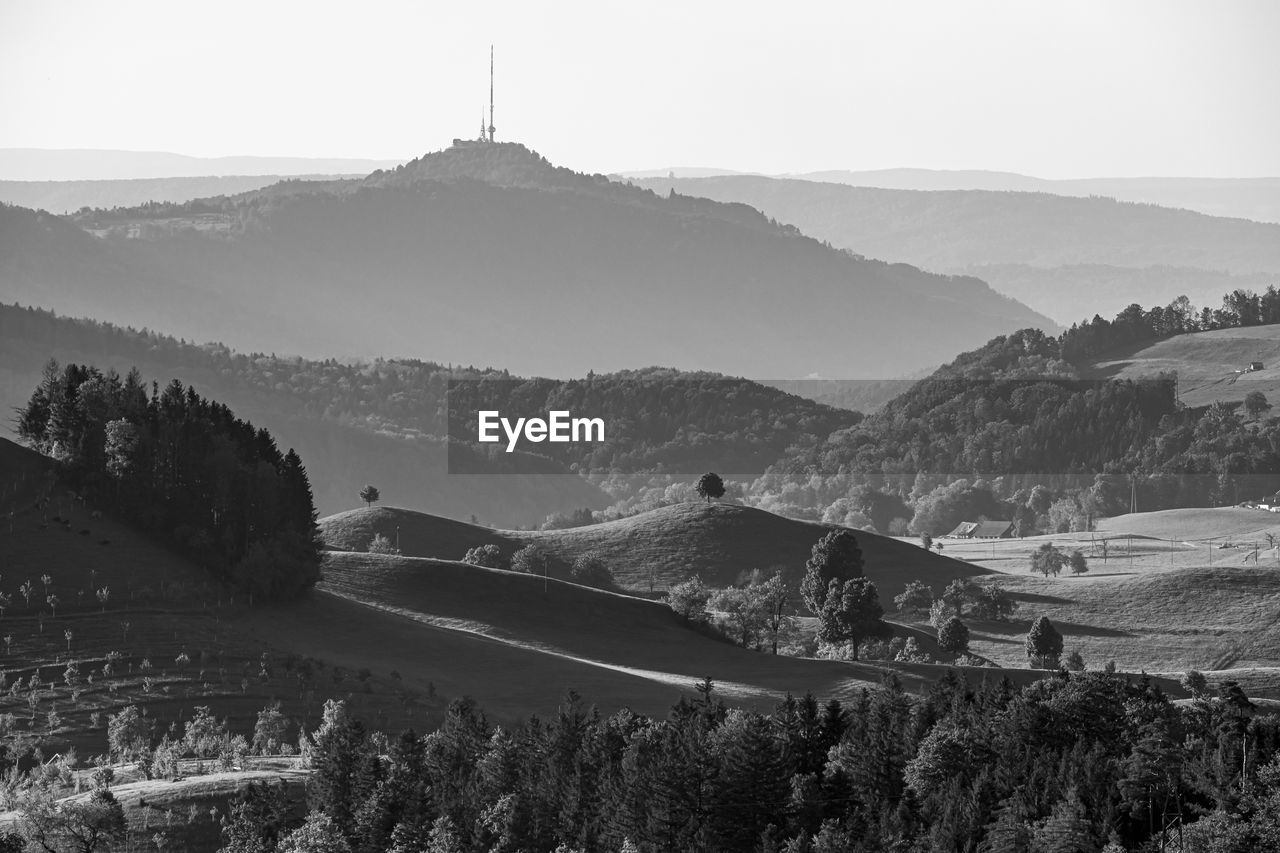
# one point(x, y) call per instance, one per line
point(184, 468)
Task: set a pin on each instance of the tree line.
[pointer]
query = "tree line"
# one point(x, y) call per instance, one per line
point(1088, 761)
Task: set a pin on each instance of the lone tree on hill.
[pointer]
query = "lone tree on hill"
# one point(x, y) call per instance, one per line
point(370, 496)
point(1044, 644)
point(953, 636)
point(710, 486)
point(835, 557)
point(1048, 560)
point(1255, 403)
point(851, 613)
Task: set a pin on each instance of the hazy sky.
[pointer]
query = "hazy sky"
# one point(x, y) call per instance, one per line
point(1055, 89)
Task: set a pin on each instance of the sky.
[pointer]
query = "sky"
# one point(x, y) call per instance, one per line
point(1087, 88)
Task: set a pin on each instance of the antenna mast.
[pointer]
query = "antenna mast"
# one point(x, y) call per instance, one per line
point(491, 127)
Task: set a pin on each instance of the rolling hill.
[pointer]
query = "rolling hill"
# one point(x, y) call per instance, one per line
point(1211, 366)
point(1070, 257)
point(491, 255)
point(651, 551)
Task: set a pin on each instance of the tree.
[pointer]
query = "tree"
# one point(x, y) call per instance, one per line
point(1255, 403)
point(775, 598)
point(851, 613)
point(489, 556)
point(1044, 644)
point(370, 496)
point(1048, 560)
point(128, 734)
point(590, 570)
point(835, 557)
point(318, 834)
point(710, 486)
point(915, 597)
point(689, 599)
point(743, 608)
point(80, 826)
point(1074, 662)
point(531, 560)
point(926, 540)
point(953, 636)
point(270, 731)
point(1079, 564)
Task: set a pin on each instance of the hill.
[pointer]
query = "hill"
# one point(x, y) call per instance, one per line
point(62, 197)
point(499, 257)
point(1240, 198)
point(1210, 366)
point(1089, 255)
point(86, 164)
point(1195, 524)
point(651, 551)
point(158, 637)
point(386, 421)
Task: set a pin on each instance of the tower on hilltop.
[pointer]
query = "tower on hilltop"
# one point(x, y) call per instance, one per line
point(491, 127)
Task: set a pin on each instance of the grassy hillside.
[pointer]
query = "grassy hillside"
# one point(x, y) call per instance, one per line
point(653, 550)
point(568, 272)
point(159, 607)
point(1209, 364)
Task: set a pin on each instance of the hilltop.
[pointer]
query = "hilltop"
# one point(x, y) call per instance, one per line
point(492, 255)
point(1070, 257)
point(653, 550)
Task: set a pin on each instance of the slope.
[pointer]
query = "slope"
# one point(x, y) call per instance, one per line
point(111, 618)
point(498, 257)
point(1211, 366)
point(651, 551)
point(1244, 198)
point(63, 197)
point(1071, 257)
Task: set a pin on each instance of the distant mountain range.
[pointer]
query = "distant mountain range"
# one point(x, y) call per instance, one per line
point(1069, 257)
point(69, 196)
point(488, 254)
point(1245, 198)
point(89, 164)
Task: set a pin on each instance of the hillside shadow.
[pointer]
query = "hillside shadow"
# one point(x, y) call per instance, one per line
point(1037, 598)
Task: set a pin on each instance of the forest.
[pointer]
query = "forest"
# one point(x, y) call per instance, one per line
point(1021, 412)
point(1090, 761)
point(184, 468)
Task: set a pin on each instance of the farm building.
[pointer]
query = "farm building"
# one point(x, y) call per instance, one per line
point(1255, 365)
point(983, 530)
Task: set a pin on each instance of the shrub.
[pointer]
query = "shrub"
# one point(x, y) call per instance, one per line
point(380, 544)
point(488, 556)
point(530, 560)
point(689, 599)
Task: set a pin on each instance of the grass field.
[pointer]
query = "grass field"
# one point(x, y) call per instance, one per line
point(651, 551)
point(1209, 365)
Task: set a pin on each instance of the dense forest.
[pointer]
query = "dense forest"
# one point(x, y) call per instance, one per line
point(1075, 763)
point(1022, 412)
point(184, 468)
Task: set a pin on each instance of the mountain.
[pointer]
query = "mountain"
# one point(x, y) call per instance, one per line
point(489, 254)
point(69, 196)
point(1242, 198)
point(88, 164)
point(1079, 256)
